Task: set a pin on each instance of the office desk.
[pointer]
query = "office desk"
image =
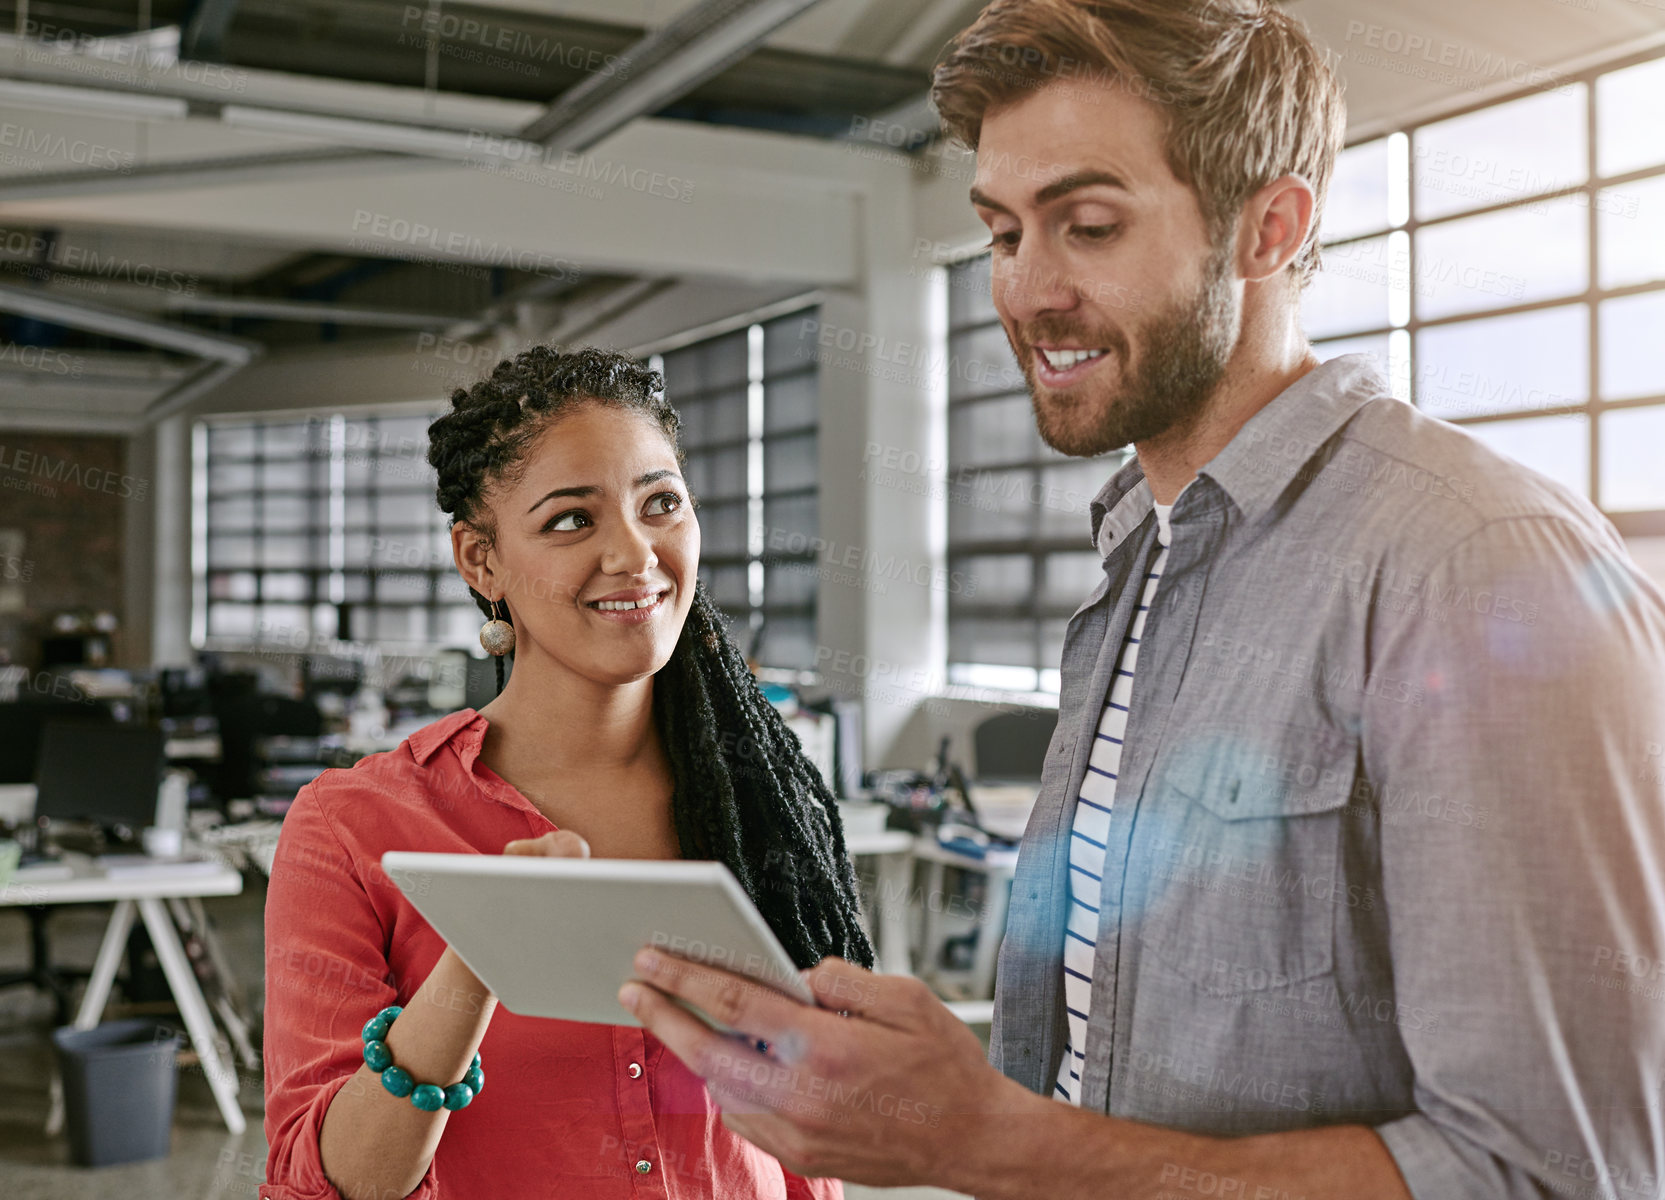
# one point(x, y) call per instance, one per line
point(894, 850)
point(991, 928)
point(192, 747)
point(149, 894)
point(255, 843)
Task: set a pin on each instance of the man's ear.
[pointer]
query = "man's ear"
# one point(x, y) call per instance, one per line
point(471, 551)
point(1273, 227)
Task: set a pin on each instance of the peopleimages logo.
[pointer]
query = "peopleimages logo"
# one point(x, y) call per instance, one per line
point(42, 144)
point(869, 564)
point(488, 35)
point(39, 253)
point(41, 358)
point(522, 159)
point(1454, 58)
point(457, 244)
point(60, 470)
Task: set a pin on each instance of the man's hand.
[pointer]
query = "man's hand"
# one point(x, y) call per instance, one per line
point(878, 1084)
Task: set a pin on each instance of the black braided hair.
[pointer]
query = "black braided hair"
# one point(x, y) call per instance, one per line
point(745, 795)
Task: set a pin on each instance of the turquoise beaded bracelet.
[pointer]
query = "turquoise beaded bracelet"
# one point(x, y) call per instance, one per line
point(429, 1097)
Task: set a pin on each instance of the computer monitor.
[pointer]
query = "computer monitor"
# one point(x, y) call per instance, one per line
point(104, 773)
point(330, 673)
point(480, 680)
point(21, 724)
point(184, 692)
point(1011, 747)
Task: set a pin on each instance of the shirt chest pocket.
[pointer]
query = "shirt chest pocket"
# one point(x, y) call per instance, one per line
point(1241, 851)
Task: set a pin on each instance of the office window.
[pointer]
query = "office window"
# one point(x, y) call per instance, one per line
point(323, 527)
point(1018, 523)
point(1508, 269)
point(748, 401)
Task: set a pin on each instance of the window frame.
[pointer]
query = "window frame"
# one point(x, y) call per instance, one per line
point(759, 556)
point(1644, 523)
point(1036, 546)
point(1591, 296)
point(327, 531)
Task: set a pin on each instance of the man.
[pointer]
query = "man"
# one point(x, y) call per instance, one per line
point(1347, 874)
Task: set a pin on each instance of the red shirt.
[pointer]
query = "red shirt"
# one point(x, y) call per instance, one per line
point(569, 1109)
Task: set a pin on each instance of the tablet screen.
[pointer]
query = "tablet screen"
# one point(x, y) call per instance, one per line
point(556, 937)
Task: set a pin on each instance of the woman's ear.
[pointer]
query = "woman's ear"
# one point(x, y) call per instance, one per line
point(471, 551)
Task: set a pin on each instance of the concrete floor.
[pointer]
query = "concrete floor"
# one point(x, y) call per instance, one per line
point(206, 1163)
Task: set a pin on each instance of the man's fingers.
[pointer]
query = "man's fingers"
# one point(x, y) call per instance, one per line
point(741, 1004)
point(731, 1070)
point(842, 986)
point(562, 843)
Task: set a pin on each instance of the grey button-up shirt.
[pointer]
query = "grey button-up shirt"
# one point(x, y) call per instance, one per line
point(1389, 834)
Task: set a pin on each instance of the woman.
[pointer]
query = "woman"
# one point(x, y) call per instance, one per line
point(630, 728)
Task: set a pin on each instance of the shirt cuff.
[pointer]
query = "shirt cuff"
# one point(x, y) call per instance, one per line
point(1435, 1169)
point(296, 1158)
point(426, 1190)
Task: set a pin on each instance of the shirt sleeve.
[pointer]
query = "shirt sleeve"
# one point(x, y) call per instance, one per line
point(326, 974)
point(1523, 863)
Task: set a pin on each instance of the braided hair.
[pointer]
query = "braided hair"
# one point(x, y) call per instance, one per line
point(745, 795)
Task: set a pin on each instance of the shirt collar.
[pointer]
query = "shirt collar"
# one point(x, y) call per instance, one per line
point(468, 726)
point(1259, 463)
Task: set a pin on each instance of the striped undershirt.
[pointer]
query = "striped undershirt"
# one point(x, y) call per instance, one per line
point(1090, 829)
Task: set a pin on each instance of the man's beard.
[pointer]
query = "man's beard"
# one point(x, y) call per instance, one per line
point(1184, 350)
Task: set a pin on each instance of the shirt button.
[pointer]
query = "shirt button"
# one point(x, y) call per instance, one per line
point(643, 1166)
point(634, 1070)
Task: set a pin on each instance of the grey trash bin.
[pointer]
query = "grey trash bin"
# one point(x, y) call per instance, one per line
point(119, 1086)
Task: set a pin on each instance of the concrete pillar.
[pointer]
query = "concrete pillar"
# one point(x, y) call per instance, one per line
point(171, 583)
point(883, 450)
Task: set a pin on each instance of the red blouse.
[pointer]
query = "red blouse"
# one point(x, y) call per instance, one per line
point(569, 1109)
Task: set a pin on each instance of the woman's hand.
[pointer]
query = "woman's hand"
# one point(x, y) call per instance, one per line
point(563, 843)
point(560, 844)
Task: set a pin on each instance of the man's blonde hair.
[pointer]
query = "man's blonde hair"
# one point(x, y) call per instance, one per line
point(1246, 95)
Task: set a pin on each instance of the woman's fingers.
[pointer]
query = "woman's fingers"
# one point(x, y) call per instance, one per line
point(563, 843)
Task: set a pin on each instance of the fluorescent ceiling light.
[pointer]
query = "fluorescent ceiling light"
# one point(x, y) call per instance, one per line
point(52, 97)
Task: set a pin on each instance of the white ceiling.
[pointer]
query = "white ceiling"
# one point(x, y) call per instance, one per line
point(866, 29)
point(1454, 56)
point(1398, 58)
point(771, 210)
point(1405, 60)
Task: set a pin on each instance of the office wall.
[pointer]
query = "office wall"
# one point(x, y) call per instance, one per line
point(63, 512)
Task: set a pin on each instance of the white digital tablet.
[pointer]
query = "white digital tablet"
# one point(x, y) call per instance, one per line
point(554, 937)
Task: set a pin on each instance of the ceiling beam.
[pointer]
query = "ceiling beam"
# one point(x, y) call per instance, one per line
point(309, 311)
point(665, 200)
point(206, 172)
point(574, 326)
point(225, 355)
point(177, 398)
point(119, 323)
point(666, 64)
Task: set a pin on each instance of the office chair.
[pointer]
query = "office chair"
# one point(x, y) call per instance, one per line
point(21, 723)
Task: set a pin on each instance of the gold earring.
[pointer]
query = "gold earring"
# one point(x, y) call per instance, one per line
point(497, 635)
